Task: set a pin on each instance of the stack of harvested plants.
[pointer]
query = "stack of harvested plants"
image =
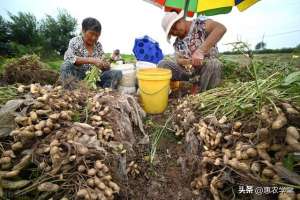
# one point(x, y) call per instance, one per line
point(234, 153)
point(61, 145)
point(28, 69)
point(240, 100)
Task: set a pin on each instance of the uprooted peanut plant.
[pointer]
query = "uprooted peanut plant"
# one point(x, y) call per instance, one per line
point(61, 143)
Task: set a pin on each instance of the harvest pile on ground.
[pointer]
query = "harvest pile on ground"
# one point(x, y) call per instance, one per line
point(229, 154)
point(243, 134)
point(26, 70)
point(89, 143)
point(61, 143)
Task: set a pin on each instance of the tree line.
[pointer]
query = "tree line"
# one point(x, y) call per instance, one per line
point(23, 34)
point(268, 51)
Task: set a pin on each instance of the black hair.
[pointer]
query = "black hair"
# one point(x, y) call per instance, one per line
point(91, 24)
point(175, 11)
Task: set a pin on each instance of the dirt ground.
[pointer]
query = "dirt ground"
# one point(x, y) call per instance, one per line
point(165, 178)
point(162, 180)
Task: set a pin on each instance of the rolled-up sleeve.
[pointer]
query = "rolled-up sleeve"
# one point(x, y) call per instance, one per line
point(70, 56)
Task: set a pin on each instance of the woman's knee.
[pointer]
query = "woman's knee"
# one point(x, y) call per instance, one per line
point(217, 68)
point(64, 67)
point(110, 79)
point(164, 64)
point(111, 75)
point(65, 70)
point(116, 74)
point(70, 70)
point(214, 66)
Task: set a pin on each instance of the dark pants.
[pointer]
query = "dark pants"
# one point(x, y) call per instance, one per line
point(207, 76)
point(71, 73)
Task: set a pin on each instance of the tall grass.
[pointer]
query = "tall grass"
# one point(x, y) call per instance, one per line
point(239, 99)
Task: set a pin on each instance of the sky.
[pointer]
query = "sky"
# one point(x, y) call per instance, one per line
point(277, 21)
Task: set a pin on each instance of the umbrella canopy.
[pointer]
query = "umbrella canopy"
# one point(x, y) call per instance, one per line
point(203, 7)
point(147, 49)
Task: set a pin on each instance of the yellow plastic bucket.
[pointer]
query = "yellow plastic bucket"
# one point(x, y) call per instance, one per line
point(154, 85)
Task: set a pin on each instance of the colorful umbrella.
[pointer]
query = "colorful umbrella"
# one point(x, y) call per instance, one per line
point(147, 49)
point(203, 7)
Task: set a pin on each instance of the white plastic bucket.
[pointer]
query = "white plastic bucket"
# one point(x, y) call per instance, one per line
point(144, 65)
point(128, 72)
point(126, 90)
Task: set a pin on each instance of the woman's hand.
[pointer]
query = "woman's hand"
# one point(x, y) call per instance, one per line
point(101, 64)
point(197, 58)
point(183, 61)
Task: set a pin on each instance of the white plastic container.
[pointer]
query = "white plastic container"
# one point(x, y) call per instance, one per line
point(128, 72)
point(126, 90)
point(144, 65)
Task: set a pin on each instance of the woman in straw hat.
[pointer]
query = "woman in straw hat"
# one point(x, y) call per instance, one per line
point(195, 50)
